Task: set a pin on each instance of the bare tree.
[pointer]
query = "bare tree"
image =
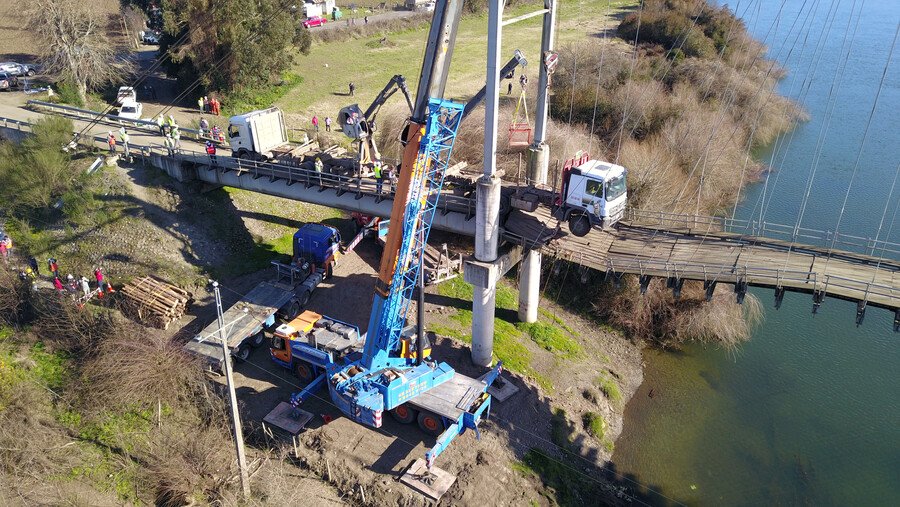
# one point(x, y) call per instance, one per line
point(75, 45)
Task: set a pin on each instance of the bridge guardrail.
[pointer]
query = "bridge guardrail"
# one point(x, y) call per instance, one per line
point(87, 114)
point(712, 272)
point(292, 174)
point(867, 246)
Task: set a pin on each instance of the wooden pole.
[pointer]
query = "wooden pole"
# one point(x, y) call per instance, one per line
point(235, 414)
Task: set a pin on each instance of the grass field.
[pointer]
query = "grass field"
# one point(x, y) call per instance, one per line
point(329, 67)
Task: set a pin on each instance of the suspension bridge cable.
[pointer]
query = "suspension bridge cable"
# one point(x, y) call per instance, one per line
point(863, 142)
point(831, 103)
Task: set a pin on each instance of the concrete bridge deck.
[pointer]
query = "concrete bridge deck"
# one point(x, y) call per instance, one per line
point(674, 250)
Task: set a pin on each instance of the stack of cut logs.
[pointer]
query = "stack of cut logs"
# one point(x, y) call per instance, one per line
point(154, 302)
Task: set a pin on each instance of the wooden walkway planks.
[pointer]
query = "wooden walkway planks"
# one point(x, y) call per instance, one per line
point(724, 257)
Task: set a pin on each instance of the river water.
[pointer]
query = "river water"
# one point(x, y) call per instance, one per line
point(807, 412)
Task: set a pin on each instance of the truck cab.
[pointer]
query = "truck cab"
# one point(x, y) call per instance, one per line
point(593, 195)
point(317, 245)
point(309, 343)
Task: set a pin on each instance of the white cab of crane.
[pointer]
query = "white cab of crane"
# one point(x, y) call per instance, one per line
point(595, 196)
point(254, 135)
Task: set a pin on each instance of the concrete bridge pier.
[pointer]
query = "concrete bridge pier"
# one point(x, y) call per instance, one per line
point(530, 286)
point(538, 167)
point(487, 238)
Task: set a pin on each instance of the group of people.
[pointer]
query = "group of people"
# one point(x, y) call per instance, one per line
point(215, 132)
point(209, 105)
point(73, 284)
point(315, 123)
point(123, 137)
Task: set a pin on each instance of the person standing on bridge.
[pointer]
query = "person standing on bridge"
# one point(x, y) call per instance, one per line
point(123, 136)
point(204, 126)
point(161, 123)
point(169, 144)
point(379, 179)
point(176, 137)
point(201, 104)
point(211, 151)
point(111, 141)
point(319, 165)
point(328, 124)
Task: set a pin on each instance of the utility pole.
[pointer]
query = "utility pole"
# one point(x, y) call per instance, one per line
point(235, 415)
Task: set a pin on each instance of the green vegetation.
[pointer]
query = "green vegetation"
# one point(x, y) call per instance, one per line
point(238, 45)
point(564, 485)
point(594, 424)
point(609, 387)
point(552, 338)
point(249, 99)
point(50, 368)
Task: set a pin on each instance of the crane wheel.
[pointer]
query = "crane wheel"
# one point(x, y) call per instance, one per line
point(404, 414)
point(304, 371)
point(579, 225)
point(430, 423)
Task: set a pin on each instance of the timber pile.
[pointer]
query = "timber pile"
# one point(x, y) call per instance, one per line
point(154, 302)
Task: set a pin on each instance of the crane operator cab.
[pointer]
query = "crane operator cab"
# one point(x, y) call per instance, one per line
point(593, 195)
point(353, 122)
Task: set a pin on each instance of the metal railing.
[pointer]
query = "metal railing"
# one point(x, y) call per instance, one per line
point(88, 115)
point(791, 233)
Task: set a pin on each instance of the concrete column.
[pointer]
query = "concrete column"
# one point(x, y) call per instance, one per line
point(487, 218)
point(487, 211)
point(530, 286)
point(538, 164)
point(483, 324)
point(539, 152)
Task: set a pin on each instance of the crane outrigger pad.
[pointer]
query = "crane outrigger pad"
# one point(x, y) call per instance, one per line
point(431, 483)
point(288, 419)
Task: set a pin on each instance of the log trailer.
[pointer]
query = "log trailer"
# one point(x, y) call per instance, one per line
point(386, 371)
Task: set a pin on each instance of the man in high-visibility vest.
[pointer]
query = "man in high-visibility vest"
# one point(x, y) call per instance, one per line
point(124, 137)
point(176, 137)
point(161, 123)
point(379, 180)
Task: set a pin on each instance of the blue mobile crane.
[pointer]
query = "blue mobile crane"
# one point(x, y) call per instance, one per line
point(388, 371)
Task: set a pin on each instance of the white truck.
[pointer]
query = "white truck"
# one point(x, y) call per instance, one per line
point(261, 135)
point(593, 194)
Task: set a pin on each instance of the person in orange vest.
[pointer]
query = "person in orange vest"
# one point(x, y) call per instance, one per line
point(111, 140)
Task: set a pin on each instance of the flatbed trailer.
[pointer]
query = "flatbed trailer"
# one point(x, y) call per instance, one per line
point(245, 323)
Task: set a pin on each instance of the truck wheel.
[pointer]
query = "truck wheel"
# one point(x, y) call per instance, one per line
point(579, 225)
point(243, 352)
point(430, 423)
point(404, 414)
point(258, 339)
point(304, 371)
point(294, 310)
point(302, 301)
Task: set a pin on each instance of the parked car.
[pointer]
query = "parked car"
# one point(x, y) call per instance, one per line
point(131, 110)
point(8, 82)
point(150, 38)
point(18, 69)
point(125, 94)
point(314, 21)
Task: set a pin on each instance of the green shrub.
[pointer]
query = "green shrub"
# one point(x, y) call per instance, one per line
point(595, 425)
point(608, 385)
point(67, 93)
point(551, 338)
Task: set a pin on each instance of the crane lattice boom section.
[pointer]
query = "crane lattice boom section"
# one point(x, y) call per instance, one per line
point(431, 165)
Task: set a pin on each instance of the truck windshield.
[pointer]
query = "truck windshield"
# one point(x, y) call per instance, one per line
point(615, 187)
